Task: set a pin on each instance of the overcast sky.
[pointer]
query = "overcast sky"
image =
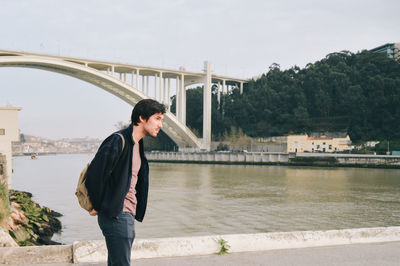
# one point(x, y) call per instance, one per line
point(241, 38)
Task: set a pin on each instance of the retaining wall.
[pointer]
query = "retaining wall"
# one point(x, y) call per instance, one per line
point(317, 159)
point(356, 159)
point(219, 157)
point(95, 251)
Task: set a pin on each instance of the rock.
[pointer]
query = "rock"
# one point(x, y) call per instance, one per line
point(18, 217)
point(6, 240)
point(56, 214)
point(44, 217)
point(20, 235)
point(22, 215)
point(31, 224)
point(15, 205)
point(44, 241)
point(11, 225)
point(49, 212)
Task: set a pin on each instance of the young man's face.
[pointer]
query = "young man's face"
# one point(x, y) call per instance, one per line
point(153, 125)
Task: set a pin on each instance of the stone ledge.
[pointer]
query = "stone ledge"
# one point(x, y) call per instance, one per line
point(96, 252)
point(36, 254)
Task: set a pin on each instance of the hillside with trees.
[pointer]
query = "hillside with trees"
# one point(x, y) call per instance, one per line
point(355, 93)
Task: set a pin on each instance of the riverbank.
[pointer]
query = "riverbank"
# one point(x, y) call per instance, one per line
point(90, 252)
point(278, 158)
point(29, 224)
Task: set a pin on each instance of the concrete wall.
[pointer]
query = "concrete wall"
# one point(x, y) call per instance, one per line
point(392, 160)
point(275, 158)
point(278, 139)
point(354, 159)
point(9, 131)
point(219, 157)
point(258, 147)
point(96, 251)
point(272, 144)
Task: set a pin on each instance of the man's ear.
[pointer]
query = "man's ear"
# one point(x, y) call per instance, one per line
point(141, 119)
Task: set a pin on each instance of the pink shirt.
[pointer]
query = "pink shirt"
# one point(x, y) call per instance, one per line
point(130, 199)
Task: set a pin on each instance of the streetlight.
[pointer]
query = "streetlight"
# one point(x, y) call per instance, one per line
point(388, 152)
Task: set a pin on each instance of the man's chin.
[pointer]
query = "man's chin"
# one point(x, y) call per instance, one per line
point(153, 135)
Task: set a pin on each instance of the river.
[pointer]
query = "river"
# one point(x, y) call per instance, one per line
point(200, 199)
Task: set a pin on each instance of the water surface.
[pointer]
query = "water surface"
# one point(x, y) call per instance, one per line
point(190, 199)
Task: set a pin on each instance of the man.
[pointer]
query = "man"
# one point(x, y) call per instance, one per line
point(118, 180)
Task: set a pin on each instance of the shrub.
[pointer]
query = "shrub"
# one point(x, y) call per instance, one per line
point(4, 204)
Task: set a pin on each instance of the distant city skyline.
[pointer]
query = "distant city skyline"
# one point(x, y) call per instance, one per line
point(241, 39)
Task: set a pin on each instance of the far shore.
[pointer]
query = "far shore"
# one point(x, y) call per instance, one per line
point(258, 158)
point(276, 158)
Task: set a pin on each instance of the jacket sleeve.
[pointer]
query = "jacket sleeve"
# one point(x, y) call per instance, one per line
point(99, 170)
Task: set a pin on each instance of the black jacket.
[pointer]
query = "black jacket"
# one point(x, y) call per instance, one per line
point(107, 191)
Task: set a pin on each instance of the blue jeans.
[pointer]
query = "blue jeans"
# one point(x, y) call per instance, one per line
point(119, 233)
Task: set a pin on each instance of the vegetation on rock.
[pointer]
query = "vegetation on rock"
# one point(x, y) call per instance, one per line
point(4, 205)
point(35, 225)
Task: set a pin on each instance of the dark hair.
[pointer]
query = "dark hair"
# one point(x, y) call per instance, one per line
point(146, 108)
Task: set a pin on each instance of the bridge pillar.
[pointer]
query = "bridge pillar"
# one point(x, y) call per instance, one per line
point(164, 90)
point(181, 99)
point(147, 85)
point(207, 107)
point(143, 84)
point(155, 86)
point(169, 95)
point(178, 98)
point(137, 79)
point(161, 88)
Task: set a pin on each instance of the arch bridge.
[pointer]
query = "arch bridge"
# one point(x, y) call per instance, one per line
point(133, 83)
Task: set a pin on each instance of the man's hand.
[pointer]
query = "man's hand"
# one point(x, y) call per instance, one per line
point(93, 212)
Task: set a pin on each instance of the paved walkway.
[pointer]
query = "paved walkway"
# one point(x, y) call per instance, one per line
point(382, 254)
point(361, 254)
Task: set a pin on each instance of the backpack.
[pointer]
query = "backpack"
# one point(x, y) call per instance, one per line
point(81, 190)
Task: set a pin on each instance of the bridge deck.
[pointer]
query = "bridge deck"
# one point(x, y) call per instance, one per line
point(105, 66)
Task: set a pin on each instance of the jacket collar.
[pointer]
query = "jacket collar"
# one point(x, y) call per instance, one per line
point(128, 134)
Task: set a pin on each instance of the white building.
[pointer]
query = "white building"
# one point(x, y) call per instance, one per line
point(392, 50)
point(9, 131)
point(333, 142)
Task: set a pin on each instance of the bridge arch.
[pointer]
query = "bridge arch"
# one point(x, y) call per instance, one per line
point(176, 130)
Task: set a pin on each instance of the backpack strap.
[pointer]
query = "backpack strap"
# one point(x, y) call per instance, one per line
point(123, 141)
point(119, 156)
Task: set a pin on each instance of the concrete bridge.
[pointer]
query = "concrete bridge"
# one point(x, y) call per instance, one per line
point(132, 83)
